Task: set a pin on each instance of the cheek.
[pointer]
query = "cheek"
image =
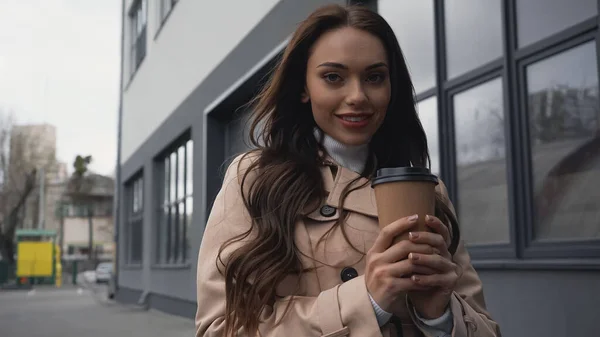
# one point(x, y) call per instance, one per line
point(324, 101)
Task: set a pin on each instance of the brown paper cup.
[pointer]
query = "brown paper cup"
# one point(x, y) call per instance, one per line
point(404, 191)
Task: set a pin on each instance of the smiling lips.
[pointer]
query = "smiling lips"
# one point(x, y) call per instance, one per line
point(354, 120)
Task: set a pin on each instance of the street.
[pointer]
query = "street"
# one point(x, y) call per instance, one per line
point(75, 311)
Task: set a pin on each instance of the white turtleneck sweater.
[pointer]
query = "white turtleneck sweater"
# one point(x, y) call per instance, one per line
point(355, 159)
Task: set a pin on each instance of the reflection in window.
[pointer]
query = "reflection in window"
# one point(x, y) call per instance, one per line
point(413, 24)
point(564, 124)
point(473, 34)
point(428, 114)
point(537, 19)
point(481, 164)
point(172, 229)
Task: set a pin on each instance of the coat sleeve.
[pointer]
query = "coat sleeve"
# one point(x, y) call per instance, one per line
point(467, 304)
point(344, 310)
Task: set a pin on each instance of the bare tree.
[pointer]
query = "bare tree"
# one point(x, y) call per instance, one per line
point(22, 155)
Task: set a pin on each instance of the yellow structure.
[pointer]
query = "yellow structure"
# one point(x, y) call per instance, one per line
point(35, 259)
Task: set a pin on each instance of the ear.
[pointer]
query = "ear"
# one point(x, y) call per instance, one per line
point(304, 98)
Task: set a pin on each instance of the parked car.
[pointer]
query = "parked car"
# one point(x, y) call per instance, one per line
point(104, 272)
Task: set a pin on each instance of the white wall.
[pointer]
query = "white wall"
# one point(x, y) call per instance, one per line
point(76, 231)
point(193, 41)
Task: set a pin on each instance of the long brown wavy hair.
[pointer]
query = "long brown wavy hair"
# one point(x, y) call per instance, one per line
point(288, 163)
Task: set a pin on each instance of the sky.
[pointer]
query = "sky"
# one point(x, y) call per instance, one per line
point(60, 64)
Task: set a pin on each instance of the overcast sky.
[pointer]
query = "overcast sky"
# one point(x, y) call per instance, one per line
point(60, 64)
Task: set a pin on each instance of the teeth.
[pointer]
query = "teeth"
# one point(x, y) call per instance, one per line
point(354, 119)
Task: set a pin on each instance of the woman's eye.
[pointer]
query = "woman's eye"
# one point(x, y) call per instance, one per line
point(333, 78)
point(375, 78)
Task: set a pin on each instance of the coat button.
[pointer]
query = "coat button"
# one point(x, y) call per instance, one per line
point(348, 273)
point(327, 211)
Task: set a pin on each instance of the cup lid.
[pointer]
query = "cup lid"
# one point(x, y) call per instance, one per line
point(393, 174)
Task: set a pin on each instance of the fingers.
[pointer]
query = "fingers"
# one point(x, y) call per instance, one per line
point(388, 233)
point(433, 261)
point(445, 281)
point(437, 226)
point(436, 241)
point(405, 269)
point(400, 251)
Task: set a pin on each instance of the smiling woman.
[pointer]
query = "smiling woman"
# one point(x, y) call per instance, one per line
point(292, 245)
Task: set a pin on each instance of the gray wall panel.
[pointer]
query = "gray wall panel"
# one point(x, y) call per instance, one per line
point(543, 303)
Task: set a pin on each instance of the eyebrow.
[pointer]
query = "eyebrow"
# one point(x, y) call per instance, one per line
point(342, 66)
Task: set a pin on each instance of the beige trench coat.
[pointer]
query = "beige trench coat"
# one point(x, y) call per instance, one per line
point(324, 305)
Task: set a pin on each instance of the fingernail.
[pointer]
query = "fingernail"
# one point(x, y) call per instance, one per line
point(413, 217)
point(416, 278)
point(413, 256)
point(413, 235)
point(428, 218)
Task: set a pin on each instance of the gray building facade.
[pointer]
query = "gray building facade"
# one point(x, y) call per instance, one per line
point(507, 93)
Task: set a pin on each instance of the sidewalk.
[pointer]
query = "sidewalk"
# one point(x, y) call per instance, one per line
point(78, 312)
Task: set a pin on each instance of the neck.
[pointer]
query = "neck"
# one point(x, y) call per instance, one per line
point(353, 157)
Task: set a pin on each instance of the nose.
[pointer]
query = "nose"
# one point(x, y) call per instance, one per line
point(356, 94)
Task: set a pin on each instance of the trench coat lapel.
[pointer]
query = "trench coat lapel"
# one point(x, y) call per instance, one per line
point(361, 200)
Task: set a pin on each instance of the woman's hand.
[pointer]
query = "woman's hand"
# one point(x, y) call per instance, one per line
point(433, 298)
point(388, 269)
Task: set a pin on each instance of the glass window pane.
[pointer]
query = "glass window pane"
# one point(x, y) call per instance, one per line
point(564, 124)
point(167, 176)
point(181, 173)
point(181, 232)
point(140, 194)
point(173, 234)
point(161, 234)
point(537, 19)
point(481, 164)
point(428, 114)
point(190, 167)
point(173, 182)
point(189, 214)
point(413, 24)
point(134, 195)
point(473, 34)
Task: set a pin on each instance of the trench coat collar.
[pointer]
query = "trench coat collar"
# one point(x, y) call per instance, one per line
point(361, 200)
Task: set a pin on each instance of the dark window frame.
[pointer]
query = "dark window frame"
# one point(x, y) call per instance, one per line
point(558, 248)
point(138, 42)
point(521, 251)
point(134, 216)
point(176, 255)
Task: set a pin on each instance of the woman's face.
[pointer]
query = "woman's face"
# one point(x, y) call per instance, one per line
point(348, 84)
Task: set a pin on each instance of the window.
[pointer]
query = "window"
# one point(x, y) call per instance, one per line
point(165, 8)
point(564, 129)
point(412, 22)
point(134, 224)
point(481, 164)
point(428, 114)
point(139, 19)
point(536, 19)
point(473, 34)
point(175, 207)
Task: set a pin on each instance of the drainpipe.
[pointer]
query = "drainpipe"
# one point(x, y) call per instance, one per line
point(117, 189)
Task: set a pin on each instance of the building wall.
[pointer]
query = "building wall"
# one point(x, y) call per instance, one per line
point(253, 47)
point(192, 42)
point(76, 231)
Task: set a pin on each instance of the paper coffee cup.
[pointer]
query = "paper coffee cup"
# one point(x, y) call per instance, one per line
point(404, 191)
